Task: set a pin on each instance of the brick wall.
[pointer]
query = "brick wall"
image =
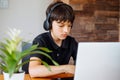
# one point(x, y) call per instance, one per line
point(97, 20)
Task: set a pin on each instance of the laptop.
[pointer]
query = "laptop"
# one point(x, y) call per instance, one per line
point(98, 61)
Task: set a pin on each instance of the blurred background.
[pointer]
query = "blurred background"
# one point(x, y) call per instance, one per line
point(26, 15)
point(96, 20)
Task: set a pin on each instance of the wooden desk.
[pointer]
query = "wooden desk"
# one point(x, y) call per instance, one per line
point(27, 77)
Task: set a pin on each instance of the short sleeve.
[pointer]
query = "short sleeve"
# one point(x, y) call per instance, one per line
point(38, 40)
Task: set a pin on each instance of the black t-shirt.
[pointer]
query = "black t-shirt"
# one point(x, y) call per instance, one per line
point(59, 54)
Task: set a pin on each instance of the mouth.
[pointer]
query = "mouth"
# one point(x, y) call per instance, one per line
point(64, 35)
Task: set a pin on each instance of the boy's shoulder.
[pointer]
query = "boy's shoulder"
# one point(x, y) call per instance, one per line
point(42, 36)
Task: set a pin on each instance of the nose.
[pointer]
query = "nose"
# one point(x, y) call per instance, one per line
point(66, 29)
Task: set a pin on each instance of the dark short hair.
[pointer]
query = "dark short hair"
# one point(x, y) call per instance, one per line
point(62, 12)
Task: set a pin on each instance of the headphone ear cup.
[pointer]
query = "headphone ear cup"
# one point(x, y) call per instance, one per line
point(46, 25)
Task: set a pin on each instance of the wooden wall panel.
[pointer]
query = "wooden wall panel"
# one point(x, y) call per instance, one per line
point(96, 20)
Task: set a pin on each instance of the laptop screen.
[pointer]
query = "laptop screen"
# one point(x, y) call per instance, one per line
point(98, 61)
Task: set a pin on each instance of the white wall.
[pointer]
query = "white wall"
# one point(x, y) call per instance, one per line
point(26, 15)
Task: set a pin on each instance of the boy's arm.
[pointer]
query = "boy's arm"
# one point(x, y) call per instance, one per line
point(38, 70)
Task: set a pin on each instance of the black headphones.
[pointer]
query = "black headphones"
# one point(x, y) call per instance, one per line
point(46, 24)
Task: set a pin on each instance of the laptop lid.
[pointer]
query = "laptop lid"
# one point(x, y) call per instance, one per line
point(98, 61)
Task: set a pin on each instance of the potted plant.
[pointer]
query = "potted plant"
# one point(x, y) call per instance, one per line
point(11, 56)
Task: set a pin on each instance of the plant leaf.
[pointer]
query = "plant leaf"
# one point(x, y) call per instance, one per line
point(55, 63)
point(11, 67)
point(27, 52)
point(3, 67)
point(45, 49)
point(46, 65)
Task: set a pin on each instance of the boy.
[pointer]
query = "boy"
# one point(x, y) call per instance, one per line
point(59, 21)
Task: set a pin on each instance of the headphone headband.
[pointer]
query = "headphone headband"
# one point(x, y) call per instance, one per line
point(46, 22)
point(56, 5)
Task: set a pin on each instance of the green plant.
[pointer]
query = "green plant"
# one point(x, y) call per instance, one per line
point(11, 55)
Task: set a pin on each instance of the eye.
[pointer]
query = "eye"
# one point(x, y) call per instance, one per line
point(69, 26)
point(61, 25)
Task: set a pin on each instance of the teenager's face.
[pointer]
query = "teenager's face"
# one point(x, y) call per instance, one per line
point(60, 30)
